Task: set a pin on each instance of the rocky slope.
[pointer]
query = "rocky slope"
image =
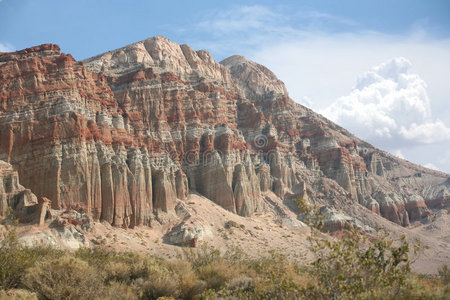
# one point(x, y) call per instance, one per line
point(128, 134)
point(15, 198)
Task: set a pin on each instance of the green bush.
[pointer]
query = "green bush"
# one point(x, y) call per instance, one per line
point(128, 267)
point(309, 213)
point(275, 277)
point(66, 277)
point(355, 267)
point(202, 256)
point(16, 258)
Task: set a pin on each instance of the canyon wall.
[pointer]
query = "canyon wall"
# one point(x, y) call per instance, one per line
point(127, 134)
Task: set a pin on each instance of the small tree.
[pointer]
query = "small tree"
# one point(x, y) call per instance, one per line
point(310, 213)
point(356, 267)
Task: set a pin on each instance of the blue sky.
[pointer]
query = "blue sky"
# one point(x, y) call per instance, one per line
point(85, 27)
point(379, 68)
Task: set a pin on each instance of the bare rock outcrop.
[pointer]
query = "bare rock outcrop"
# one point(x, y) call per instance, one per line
point(128, 134)
point(24, 205)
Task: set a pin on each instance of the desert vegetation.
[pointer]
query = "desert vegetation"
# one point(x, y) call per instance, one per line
point(351, 267)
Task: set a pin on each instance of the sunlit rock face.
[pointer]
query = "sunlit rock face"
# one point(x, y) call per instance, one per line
point(129, 133)
point(14, 198)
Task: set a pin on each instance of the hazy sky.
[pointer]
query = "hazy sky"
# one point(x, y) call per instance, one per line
point(379, 68)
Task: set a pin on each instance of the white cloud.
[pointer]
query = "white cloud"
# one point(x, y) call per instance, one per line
point(240, 19)
point(428, 133)
point(306, 101)
point(431, 166)
point(324, 67)
point(319, 55)
point(6, 47)
point(245, 29)
point(389, 102)
point(261, 20)
point(319, 58)
point(399, 154)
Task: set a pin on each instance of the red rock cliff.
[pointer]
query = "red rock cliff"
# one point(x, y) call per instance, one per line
point(128, 133)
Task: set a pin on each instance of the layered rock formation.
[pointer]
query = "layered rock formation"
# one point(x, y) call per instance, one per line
point(127, 134)
point(12, 194)
point(17, 202)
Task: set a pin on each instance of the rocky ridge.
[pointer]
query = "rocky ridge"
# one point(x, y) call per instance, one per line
point(128, 134)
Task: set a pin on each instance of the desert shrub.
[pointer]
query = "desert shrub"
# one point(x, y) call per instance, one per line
point(17, 294)
point(124, 267)
point(64, 278)
point(127, 267)
point(230, 224)
point(189, 284)
point(202, 256)
point(234, 274)
point(16, 258)
point(159, 283)
point(423, 287)
point(217, 275)
point(235, 255)
point(303, 205)
point(275, 277)
point(354, 267)
point(148, 277)
point(242, 284)
point(96, 256)
point(122, 272)
point(444, 274)
point(212, 267)
point(118, 290)
point(309, 213)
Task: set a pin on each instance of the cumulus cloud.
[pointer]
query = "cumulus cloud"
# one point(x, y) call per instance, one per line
point(389, 104)
point(316, 54)
point(319, 55)
point(324, 67)
point(428, 133)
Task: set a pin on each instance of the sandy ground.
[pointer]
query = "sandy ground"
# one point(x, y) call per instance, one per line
point(255, 235)
point(437, 232)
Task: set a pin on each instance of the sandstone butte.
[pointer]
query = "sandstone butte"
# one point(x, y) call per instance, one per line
point(126, 135)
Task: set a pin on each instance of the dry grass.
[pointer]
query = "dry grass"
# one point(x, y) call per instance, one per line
point(201, 273)
point(66, 277)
